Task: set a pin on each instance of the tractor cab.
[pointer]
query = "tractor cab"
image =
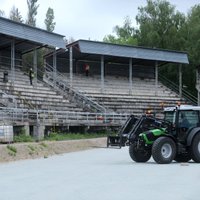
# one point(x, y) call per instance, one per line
point(183, 118)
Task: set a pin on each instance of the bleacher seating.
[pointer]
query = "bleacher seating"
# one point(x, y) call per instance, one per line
point(117, 97)
point(36, 96)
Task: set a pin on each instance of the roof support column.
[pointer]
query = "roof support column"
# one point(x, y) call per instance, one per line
point(54, 67)
point(35, 64)
point(13, 62)
point(198, 84)
point(102, 73)
point(180, 81)
point(156, 78)
point(71, 65)
point(130, 76)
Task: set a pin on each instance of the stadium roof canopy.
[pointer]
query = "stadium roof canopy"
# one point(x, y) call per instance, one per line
point(27, 37)
point(92, 50)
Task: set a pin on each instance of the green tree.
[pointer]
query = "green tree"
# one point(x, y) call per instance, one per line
point(160, 25)
point(32, 12)
point(50, 25)
point(15, 15)
point(191, 34)
point(124, 35)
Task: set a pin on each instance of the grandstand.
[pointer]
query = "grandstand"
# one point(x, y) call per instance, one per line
point(123, 80)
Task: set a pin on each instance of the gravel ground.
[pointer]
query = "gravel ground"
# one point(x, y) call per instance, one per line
point(21, 151)
point(100, 174)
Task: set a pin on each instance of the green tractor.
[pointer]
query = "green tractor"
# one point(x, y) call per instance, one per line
point(176, 137)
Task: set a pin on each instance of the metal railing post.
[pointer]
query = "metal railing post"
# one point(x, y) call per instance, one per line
point(180, 81)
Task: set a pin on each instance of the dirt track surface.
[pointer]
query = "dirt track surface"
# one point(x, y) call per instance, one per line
point(21, 151)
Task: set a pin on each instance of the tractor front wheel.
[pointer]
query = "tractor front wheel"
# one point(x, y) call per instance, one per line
point(195, 148)
point(164, 150)
point(139, 155)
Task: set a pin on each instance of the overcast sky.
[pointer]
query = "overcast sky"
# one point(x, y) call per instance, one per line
point(88, 19)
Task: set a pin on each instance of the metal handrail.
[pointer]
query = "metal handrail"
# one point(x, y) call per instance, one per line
point(43, 117)
point(58, 81)
point(9, 60)
point(174, 87)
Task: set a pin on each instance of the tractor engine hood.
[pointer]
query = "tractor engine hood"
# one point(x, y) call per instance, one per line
point(150, 136)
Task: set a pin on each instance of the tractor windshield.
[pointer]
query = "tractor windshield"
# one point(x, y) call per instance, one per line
point(170, 116)
point(188, 118)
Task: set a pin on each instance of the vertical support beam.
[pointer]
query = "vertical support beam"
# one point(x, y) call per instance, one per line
point(102, 73)
point(26, 128)
point(156, 78)
point(180, 81)
point(54, 67)
point(35, 64)
point(198, 103)
point(13, 62)
point(38, 131)
point(198, 84)
point(71, 65)
point(130, 76)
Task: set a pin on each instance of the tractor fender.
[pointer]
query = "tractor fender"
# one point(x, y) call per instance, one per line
point(172, 137)
point(191, 135)
point(169, 136)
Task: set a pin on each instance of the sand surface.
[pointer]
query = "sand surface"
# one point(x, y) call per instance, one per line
point(20, 151)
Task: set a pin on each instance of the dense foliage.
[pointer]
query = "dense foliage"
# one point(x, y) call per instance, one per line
point(32, 12)
point(50, 24)
point(15, 15)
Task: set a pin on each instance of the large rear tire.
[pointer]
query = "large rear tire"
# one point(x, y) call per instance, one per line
point(195, 148)
point(139, 155)
point(163, 150)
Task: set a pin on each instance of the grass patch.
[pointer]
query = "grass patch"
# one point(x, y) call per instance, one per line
point(73, 136)
point(32, 148)
point(23, 138)
point(42, 144)
point(12, 151)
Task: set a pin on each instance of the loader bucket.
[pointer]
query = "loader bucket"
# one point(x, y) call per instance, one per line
point(116, 141)
point(120, 139)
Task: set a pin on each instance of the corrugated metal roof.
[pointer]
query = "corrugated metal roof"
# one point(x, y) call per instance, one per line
point(101, 48)
point(26, 32)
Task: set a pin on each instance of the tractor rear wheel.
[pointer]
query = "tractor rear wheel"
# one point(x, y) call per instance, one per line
point(163, 150)
point(195, 148)
point(139, 155)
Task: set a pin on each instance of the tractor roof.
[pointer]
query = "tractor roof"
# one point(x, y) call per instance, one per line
point(182, 107)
